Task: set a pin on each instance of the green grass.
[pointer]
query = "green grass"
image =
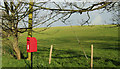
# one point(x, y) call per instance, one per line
point(67, 52)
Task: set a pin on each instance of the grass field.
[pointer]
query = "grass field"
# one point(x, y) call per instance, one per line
point(67, 52)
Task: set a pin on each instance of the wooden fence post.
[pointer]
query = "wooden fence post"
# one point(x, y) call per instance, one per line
point(50, 54)
point(92, 56)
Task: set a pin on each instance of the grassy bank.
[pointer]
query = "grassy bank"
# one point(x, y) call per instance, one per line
point(67, 51)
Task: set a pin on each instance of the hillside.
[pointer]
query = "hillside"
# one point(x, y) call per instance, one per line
point(67, 51)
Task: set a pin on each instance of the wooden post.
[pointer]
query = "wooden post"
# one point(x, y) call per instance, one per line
point(30, 25)
point(29, 55)
point(50, 54)
point(92, 56)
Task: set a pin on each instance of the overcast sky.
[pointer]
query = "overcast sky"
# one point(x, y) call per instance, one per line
point(97, 17)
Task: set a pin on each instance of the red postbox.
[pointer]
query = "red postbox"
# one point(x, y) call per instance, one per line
point(31, 44)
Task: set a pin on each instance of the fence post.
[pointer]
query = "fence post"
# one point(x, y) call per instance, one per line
point(92, 56)
point(50, 54)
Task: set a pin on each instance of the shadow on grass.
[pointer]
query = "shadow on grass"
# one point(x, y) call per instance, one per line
point(117, 63)
point(107, 46)
point(113, 61)
point(68, 54)
point(75, 55)
point(112, 48)
point(27, 64)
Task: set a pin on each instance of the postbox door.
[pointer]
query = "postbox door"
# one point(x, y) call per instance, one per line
point(31, 44)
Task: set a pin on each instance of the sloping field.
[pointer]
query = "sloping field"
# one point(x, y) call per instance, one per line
point(67, 52)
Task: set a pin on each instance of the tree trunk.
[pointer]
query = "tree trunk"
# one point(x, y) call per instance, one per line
point(16, 48)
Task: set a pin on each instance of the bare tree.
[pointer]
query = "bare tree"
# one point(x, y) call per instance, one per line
point(13, 13)
point(116, 14)
point(43, 13)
